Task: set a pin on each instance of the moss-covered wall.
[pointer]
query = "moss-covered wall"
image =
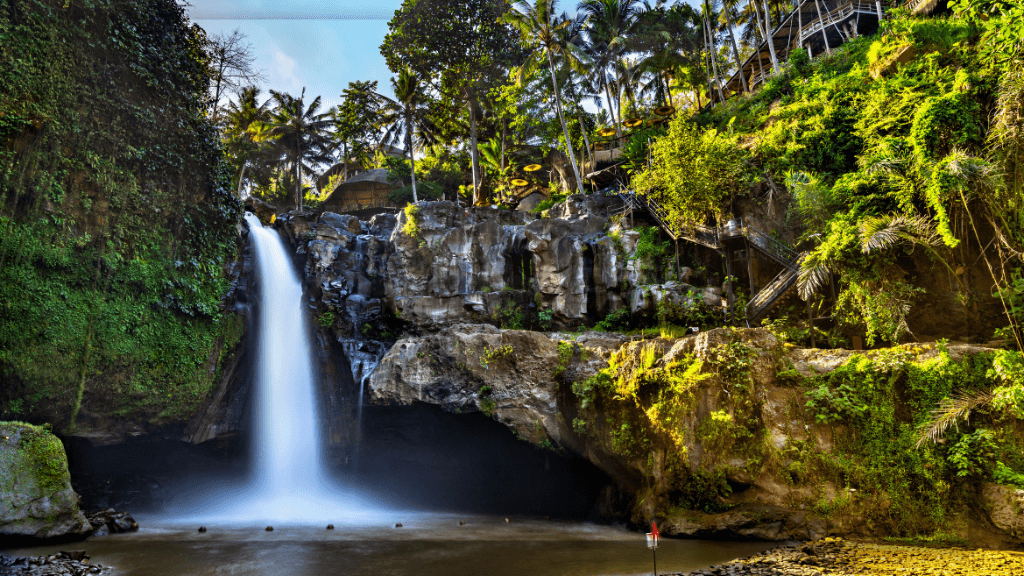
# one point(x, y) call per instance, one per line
point(117, 221)
point(734, 419)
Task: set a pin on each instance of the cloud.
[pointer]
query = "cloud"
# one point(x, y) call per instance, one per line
point(285, 65)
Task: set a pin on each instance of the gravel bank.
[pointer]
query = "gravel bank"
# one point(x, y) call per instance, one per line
point(838, 557)
point(71, 563)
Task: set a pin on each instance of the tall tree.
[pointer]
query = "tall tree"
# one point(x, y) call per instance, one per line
point(355, 120)
point(402, 116)
point(299, 135)
point(539, 31)
point(230, 67)
point(241, 134)
point(460, 46)
point(610, 23)
point(727, 8)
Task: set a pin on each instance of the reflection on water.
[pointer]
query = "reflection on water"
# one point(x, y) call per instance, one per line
point(425, 545)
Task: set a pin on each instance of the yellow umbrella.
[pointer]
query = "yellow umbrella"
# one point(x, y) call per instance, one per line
point(532, 168)
point(606, 132)
point(664, 110)
point(519, 182)
point(632, 123)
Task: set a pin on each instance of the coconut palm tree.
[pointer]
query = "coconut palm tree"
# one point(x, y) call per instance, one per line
point(241, 133)
point(609, 24)
point(405, 115)
point(298, 135)
point(539, 32)
point(726, 16)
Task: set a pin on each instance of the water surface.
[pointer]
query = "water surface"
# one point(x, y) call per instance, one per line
point(427, 544)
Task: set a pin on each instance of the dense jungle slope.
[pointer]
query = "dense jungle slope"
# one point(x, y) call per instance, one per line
point(894, 162)
point(117, 220)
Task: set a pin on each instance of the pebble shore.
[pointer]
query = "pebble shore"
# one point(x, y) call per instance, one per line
point(838, 557)
point(72, 563)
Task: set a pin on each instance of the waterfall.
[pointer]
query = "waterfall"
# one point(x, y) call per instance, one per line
point(287, 447)
point(291, 481)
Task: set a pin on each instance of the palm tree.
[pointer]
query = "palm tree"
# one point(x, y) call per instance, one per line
point(299, 135)
point(573, 35)
point(241, 128)
point(609, 24)
point(727, 7)
point(540, 33)
point(402, 116)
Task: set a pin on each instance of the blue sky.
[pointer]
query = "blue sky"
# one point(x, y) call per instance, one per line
point(320, 45)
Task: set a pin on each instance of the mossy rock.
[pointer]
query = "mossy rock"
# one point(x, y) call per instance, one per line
point(36, 498)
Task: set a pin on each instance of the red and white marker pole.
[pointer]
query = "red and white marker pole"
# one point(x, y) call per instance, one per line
point(652, 543)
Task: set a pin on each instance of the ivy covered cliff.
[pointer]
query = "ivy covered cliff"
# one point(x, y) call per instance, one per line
point(117, 220)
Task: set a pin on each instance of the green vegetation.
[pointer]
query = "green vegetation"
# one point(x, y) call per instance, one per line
point(883, 401)
point(494, 354)
point(41, 454)
point(877, 168)
point(116, 230)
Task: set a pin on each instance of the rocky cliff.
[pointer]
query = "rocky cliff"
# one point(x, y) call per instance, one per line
point(726, 433)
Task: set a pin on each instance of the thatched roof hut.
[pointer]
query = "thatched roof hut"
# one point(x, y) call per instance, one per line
point(364, 190)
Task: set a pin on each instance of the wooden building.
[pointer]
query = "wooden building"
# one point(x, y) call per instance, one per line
point(364, 191)
point(820, 26)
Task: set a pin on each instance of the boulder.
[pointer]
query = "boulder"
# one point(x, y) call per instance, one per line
point(530, 202)
point(1005, 506)
point(343, 222)
point(110, 521)
point(265, 212)
point(36, 499)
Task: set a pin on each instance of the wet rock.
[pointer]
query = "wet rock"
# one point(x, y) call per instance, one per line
point(36, 498)
point(75, 562)
point(398, 525)
point(110, 521)
point(269, 528)
point(202, 529)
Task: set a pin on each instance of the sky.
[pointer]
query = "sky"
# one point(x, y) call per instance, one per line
point(319, 45)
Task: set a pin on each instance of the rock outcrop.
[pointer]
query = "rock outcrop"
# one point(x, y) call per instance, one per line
point(36, 498)
point(672, 419)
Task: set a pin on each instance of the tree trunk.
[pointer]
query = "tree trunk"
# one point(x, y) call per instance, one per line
point(611, 107)
point(714, 58)
point(735, 49)
point(412, 159)
point(565, 129)
point(345, 175)
point(298, 178)
point(241, 176)
point(579, 117)
point(769, 37)
point(823, 34)
point(474, 153)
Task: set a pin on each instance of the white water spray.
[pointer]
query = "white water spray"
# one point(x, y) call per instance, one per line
point(287, 449)
point(291, 481)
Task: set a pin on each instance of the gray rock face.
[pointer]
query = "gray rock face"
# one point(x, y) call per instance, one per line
point(36, 498)
point(530, 202)
point(471, 367)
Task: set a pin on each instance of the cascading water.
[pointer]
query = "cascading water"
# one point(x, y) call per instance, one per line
point(291, 481)
point(286, 450)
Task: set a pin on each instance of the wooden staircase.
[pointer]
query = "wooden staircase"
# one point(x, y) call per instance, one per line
point(715, 238)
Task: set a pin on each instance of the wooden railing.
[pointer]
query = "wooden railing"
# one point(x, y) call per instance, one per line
point(835, 17)
point(712, 238)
